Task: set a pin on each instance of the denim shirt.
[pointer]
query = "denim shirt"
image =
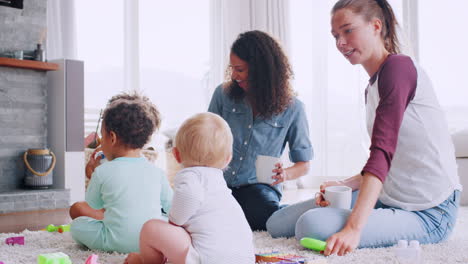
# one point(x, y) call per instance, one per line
point(259, 136)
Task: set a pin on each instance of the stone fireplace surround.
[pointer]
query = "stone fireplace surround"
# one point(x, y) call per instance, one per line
point(23, 112)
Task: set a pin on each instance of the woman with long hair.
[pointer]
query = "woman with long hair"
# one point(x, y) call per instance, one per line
point(409, 187)
point(259, 105)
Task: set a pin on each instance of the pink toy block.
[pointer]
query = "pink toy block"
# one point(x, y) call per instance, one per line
point(15, 240)
point(1, 262)
point(92, 259)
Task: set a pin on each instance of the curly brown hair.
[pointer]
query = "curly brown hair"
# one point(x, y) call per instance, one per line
point(132, 117)
point(270, 91)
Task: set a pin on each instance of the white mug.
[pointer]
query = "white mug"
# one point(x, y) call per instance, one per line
point(337, 196)
point(264, 166)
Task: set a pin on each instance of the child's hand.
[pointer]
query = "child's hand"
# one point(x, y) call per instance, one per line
point(93, 163)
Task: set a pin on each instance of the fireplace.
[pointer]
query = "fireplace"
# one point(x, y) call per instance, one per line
point(35, 104)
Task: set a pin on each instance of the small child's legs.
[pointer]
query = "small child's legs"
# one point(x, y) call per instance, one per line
point(160, 240)
point(83, 209)
point(87, 227)
point(89, 232)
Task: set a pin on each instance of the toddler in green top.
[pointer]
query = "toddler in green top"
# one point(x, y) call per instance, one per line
point(126, 191)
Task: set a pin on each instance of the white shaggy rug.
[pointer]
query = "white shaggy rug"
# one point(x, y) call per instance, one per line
point(455, 250)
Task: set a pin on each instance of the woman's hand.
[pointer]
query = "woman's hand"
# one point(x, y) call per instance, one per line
point(342, 242)
point(93, 163)
point(319, 201)
point(348, 238)
point(352, 182)
point(281, 174)
point(297, 170)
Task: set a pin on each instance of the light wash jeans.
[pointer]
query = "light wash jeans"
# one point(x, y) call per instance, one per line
point(385, 226)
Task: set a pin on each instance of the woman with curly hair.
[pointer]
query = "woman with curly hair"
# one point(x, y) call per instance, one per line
point(126, 191)
point(259, 105)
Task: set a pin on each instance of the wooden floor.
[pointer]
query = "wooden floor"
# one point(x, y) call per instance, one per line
point(36, 220)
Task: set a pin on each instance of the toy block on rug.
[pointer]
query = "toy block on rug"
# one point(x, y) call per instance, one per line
point(92, 259)
point(19, 240)
point(54, 258)
point(278, 256)
point(60, 228)
point(284, 258)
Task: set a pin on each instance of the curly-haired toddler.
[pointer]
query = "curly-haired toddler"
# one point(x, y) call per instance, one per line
point(128, 190)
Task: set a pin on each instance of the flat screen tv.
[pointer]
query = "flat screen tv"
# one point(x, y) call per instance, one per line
point(12, 3)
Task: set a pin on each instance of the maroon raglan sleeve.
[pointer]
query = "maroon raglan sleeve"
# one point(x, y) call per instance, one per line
point(397, 80)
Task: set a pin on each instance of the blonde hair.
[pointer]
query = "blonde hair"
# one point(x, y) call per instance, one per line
point(205, 139)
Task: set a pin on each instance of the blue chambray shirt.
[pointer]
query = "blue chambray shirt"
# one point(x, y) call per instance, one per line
point(260, 136)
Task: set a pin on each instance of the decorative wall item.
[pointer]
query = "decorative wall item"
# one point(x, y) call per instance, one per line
point(12, 3)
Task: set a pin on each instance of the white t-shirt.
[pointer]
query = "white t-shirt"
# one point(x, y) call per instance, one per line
point(411, 150)
point(205, 207)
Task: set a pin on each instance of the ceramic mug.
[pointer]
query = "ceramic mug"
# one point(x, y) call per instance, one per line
point(264, 166)
point(337, 196)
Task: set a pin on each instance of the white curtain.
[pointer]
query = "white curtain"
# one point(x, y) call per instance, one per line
point(131, 45)
point(229, 18)
point(443, 56)
point(409, 34)
point(61, 30)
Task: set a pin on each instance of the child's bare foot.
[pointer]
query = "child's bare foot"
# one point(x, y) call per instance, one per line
point(133, 258)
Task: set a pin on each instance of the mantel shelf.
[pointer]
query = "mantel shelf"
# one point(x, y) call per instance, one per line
point(28, 64)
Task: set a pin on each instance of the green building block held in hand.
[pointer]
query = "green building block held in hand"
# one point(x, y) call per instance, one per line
point(314, 244)
point(54, 258)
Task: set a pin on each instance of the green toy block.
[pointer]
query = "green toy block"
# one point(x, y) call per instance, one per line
point(51, 228)
point(60, 228)
point(63, 228)
point(314, 244)
point(53, 258)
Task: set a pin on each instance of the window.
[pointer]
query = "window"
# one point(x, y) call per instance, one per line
point(102, 56)
point(174, 57)
point(442, 45)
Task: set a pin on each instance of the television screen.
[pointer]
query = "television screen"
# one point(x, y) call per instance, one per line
point(12, 3)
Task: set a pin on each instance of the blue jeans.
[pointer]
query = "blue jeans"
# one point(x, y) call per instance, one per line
point(258, 201)
point(385, 226)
